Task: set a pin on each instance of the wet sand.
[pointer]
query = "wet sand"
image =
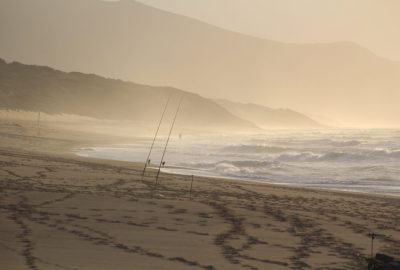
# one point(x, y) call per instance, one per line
point(60, 211)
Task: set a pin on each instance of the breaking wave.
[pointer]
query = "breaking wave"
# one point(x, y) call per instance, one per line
point(254, 148)
point(348, 160)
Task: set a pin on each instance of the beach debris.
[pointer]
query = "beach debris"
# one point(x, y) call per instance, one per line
point(381, 261)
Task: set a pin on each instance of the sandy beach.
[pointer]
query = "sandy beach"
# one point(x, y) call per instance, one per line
point(60, 211)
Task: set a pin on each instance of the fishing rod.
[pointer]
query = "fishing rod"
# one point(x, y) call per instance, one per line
point(169, 135)
point(155, 136)
point(38, 123)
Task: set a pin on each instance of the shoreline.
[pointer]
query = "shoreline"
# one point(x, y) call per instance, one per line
point(85, 213)
point(184, 171)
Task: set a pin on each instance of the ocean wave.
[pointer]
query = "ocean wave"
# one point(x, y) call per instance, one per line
point(254, 148)
point(240, 168)
point(365, 155)
point(316, 157)
point(232, 170)
point(291, 146)
point(345, 143)
point(236, 163)
point(255, 163)
point(387, 152)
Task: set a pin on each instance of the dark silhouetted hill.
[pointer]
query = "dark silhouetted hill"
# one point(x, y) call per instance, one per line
point(268, 117)
point(38, 88)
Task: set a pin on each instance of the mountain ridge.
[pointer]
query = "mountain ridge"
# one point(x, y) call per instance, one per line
point(148, 45)
point(269, 117)
point(42, 88)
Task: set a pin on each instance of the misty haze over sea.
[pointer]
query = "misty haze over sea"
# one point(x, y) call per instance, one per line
point(350, 160)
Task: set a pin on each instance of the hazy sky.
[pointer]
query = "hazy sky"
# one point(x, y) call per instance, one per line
point(374, 24)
